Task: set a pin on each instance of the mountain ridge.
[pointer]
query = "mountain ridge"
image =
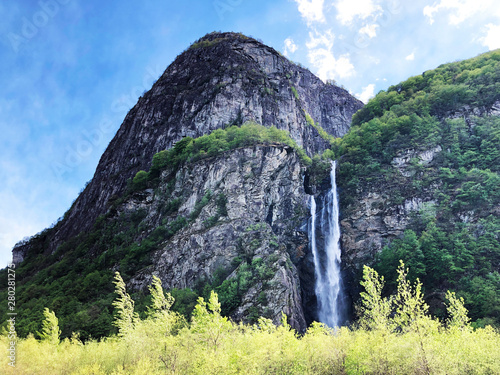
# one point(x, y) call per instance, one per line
point(416, 174)
point(233, 110)
point(217, 81)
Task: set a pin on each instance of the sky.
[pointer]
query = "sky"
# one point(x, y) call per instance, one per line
point(71, 69)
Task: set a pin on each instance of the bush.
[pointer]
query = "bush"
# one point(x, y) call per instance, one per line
point(140, 180)
point(398, 338)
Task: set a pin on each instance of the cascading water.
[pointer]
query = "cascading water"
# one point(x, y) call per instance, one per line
point(328, 286)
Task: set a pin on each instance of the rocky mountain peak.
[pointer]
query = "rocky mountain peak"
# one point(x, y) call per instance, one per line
point(222, 79)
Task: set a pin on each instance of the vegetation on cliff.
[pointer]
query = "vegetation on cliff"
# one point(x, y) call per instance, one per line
point(452, 241)
point(75, 281)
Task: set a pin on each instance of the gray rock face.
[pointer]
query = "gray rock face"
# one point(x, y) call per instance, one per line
point(266, 205)
point(225, 78)
point(258, 239)
point(375, 219)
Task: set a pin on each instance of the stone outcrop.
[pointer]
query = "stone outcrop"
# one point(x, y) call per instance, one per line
point(224, 78)
point(265, 207)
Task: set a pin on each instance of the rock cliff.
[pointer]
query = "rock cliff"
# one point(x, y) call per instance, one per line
point(264, 207)
point(419, 182)
point(222, 79)
point(233, 222)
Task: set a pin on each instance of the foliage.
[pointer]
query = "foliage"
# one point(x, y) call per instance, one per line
point(474, 82)
point(213, 344)
point(214, 38)
point(458, 318)
point(184, 301)
point(322, 132)
point(462, 258)
point(205, 43)
point(126, 318)
point(374, 309)
point(50, 327)
point(140, 180)
point(451, 241)
point(230, 291)
point(222, 140)
point(221, 202)
point(159, 302)
point(408, 249)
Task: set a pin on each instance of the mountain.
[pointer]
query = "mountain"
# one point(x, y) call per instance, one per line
point(209, 185)
point(419, 182)
point(224, 208)
point(222, 79)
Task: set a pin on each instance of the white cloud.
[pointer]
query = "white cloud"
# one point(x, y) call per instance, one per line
point(369, 30)
point(321, 56)
point(492, 37)
point(311, 10)
point(367, 93)
point(459, 11)
point(290, 47)
point(316, 39)
point(411, 56)
point(347, 10)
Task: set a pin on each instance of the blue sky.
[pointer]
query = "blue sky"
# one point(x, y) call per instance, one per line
point(71, 69)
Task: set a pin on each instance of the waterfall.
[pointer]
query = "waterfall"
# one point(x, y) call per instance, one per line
point(326, 257)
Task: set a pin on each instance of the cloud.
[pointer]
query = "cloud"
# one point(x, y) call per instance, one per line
point(367, 93)
point(492, 37)
point(369, 30)
point(311, 10)
point(459, 11)
point(290, 47)
point(411, 56)
point(347, 10)
point(322, 58)
point(316, 39)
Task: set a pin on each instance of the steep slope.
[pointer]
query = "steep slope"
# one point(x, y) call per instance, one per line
point(222, 207)
point(246, 231)
point(228, 219)
point(419, 182)
point(223, 78)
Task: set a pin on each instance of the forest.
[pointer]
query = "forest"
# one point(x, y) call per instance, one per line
point(453, 241)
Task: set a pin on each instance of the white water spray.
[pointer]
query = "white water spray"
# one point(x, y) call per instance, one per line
point(327, 263)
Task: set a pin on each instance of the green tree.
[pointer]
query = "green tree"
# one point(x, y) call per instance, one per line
point(208, 323)
point(406, 249)
point(140, 180)
point(125, 318)
point(409, 301)
point(50, 327)
point(375, 309)
point(457, 313)
point(160, 303)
